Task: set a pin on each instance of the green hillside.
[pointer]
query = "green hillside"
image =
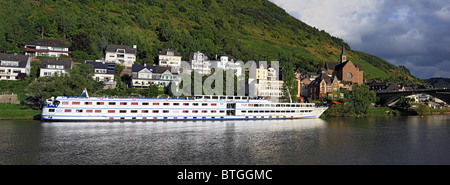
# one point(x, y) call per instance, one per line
point(247, 29)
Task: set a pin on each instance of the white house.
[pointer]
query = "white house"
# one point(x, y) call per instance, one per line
point(142, 76)
point(169, 58)
point(104, 72)
point(51, 66)
point(200, 63)
point(125, 55)
point(46, 47)
point(228, 62)
point(14, 66)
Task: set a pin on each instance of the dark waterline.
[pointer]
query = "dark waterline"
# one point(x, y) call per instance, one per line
point(374, 140)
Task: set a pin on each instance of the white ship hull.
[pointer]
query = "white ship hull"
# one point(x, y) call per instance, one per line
point(146, 109)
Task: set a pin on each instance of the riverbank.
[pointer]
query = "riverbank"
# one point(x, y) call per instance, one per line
point(18, 112)
point(382, 111)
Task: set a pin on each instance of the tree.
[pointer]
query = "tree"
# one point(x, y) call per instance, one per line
point(71, 84)
point(289, 86)
point(423, 109)
point(359, 99)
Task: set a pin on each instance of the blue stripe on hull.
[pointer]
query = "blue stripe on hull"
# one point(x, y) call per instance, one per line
point(188, 119)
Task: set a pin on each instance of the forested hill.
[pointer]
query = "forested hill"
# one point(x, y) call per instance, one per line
point(247, 29)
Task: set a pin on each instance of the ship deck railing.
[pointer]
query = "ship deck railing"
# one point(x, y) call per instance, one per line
point(204, 97)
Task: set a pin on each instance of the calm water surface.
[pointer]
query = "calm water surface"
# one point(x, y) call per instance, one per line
point(380, 140)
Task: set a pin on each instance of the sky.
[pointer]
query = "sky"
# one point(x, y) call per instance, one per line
point(412, 33)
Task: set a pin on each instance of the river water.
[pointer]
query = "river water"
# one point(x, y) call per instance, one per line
point(374, 140)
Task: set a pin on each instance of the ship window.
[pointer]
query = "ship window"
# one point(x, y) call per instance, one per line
point(185, 111)
point(98, 111)
point(222, 111)
point(204, 104)
point(68, 110)
point(111, 111)
point(176, 104)
point(89, 111)
point(267, 111)
point(155, 111)
point(165, 111)
point(133, 118)
point(100, 103)
point(195, 111)
point(65, 103)
point(88, 103)
point(298, 105)
point(213, 111)
point(133, 111)
point(123, 111)
point(79, 110)
point(195, 104)
point(213, 104)
point(187, 104)
point(144, 111)
point(155, 103)
point(250, 105)
point(244, 111)
point(112, 103)
point(204, 111)
point(123, 103)
point(51, 110)
point(165, 103)
point(75, 103)
point(134, 103)
point(145, 103)
point(250, 111)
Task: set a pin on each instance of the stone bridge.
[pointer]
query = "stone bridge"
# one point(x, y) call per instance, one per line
point(387, 97)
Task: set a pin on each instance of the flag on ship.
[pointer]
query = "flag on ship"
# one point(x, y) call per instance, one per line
point(85, 92)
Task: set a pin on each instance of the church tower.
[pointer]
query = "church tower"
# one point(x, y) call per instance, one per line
point(343, 56)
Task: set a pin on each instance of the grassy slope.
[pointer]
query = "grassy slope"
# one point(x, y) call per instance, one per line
point(248, 29)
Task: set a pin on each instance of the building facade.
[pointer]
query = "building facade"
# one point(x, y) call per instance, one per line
point(169, 58)
point(323, 87)
point(104, 72)
point(346, 70)
point(200, 63)
point(52, 66)
point(46, 47)
point(143, 76)
point(14, 66)
point(120, 54)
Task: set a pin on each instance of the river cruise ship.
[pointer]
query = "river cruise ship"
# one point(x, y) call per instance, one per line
point(65, 108)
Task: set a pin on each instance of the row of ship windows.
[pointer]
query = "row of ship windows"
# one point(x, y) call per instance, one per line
point(188, 104)
point(184, 111)
point(222, 117)
point(136, 103)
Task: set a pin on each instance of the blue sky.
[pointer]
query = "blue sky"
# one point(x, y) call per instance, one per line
point(413, 33)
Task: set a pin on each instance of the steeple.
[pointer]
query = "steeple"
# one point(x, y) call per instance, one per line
point(343, 56)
